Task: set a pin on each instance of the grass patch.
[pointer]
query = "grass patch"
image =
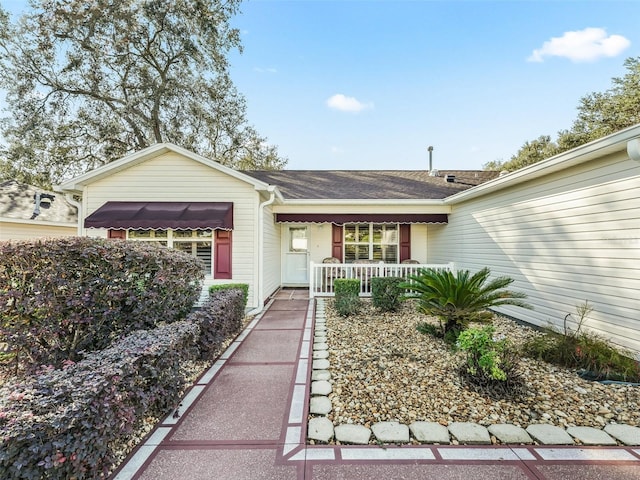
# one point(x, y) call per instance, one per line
point(585, 352)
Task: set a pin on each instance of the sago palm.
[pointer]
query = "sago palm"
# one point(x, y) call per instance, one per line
point(460, 298)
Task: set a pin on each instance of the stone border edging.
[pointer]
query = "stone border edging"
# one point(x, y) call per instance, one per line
point(321, 429)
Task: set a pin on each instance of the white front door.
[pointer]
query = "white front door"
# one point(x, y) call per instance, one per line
point(296, 256)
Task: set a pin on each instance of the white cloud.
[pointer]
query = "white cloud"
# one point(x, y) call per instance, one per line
point(265, 70)
point(337, 150)
point(347, 104)
point(582, 46)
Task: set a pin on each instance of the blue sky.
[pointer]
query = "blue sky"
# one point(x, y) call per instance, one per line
point(459, 75)
point(371, 84)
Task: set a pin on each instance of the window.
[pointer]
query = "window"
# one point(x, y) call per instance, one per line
point(377, 242)
point(198, 243)
point(298, 239)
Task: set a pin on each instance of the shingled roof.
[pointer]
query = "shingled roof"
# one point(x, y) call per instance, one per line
point(17, 200)
point(370, 184)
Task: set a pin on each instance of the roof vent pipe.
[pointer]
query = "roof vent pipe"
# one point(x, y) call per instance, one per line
point(450, 178)
point(430, 150)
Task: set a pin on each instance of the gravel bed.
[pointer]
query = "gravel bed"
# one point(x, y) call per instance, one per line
point(383, 369)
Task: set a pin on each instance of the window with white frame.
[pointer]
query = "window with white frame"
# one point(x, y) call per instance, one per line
point(198, 243)
point(377, 242)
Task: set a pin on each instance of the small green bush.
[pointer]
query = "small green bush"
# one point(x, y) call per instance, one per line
point(77, 421)
point(243, 287)
point(485, 355)
point(347, 305)
point(347, 296)
point(346, 286)
point(61, 297)
point(386, 293)
point(490, 367)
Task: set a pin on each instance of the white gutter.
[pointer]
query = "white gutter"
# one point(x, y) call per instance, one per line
point(363, 201)
point(259, 289)
point(614, 143)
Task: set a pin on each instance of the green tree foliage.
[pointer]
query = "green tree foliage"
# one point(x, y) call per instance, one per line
point(457, 299)
point(88, 82)
point(530, 153)
point(599, 114)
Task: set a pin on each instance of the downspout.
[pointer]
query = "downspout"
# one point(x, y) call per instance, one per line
point(260, 287)
point(69, 198)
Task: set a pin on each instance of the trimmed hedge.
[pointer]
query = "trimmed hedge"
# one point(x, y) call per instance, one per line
point(219, 318)
point(347, 296)
point(61, 297)
point(346, 286)
point(243, 287)
point(76, 422)
point(386, 293)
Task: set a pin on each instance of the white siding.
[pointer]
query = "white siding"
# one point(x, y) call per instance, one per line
point(11, 230)
point(319, 241)
point(419, 242)
point(272, 257)
point(566, 238)
point(172, 177)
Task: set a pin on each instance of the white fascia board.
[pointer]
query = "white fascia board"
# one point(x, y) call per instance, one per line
point(613, 143)
point(76, 184)
point(367, 201)
point(37, 222)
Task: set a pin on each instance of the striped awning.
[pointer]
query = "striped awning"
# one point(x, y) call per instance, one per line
point(162, 215)
point(342, 218)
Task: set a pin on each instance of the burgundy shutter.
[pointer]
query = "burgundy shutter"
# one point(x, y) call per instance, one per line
point(405, 241)
point(336, 242)
point(222, 255)
point(121, 234)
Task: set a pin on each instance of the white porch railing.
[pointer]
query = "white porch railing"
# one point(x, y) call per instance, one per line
point(323, 275)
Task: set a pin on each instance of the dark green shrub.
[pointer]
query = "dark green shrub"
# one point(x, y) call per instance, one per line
point(429, 329)
point(450, 337)
point(77, 422)
point(219, 318)
point(460, 298)
point(347, 296)
point(243, 287)
point(347, 305)
point(386, 293)
point(61, 297)
point(346, 286)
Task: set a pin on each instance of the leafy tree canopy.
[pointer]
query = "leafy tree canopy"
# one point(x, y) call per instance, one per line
point(599, 114)
point(88, 82)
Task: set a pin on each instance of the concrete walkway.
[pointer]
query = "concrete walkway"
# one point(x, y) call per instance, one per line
point(245, 418)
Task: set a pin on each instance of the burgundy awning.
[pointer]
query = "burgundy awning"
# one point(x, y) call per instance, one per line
point(342, 218)
point(157, 215)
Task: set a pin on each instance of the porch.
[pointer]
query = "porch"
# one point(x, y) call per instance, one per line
point(323, 275)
